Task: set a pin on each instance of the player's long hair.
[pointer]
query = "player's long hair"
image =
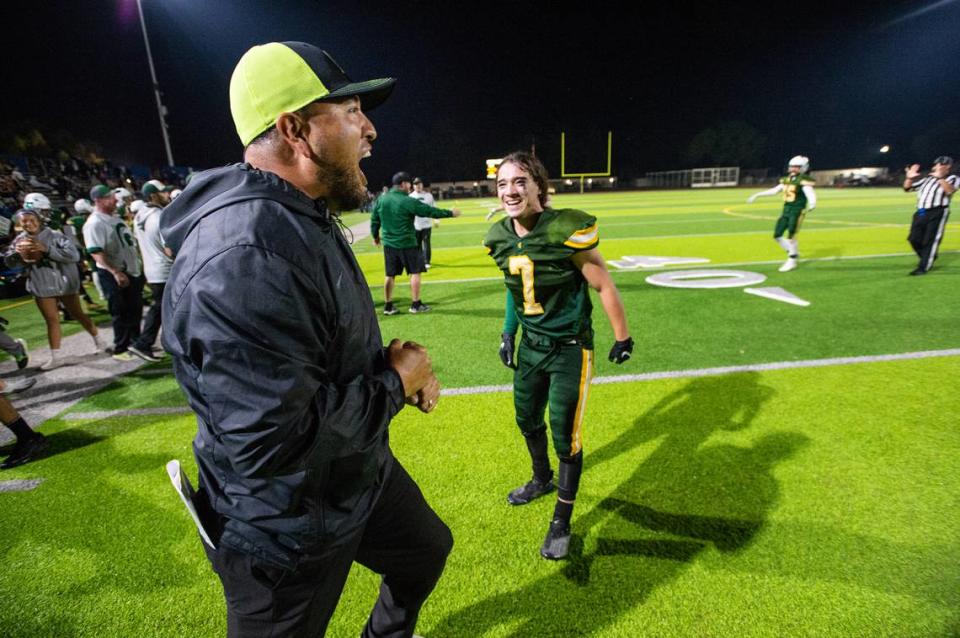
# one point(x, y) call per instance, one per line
point(529, 163)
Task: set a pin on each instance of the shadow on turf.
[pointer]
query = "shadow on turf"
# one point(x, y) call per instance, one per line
point(687, 496)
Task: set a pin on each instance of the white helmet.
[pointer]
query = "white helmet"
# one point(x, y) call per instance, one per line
point(175, 193)
point(36, 201)
point(801, 161)
point(83, 206)
point(121, 193)
point(136, 205)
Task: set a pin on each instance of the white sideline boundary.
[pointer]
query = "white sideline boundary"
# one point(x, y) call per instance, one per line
point(622, 378)
point(752, 367)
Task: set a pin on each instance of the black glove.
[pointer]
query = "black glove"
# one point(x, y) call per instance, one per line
point(506, 350)
point(621, 350)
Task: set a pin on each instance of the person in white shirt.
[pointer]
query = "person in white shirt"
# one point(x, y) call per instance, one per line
point(157, 262)
point(423, 225)
point(111, 245)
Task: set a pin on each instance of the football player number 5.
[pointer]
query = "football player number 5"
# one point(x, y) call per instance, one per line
point(521, 265)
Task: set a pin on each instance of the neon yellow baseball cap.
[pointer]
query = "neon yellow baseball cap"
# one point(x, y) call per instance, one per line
point(280, 77)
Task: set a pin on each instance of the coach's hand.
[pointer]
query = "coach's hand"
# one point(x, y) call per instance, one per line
point(456, 212)
point(621, 351)
point(411, 362)
point(507, 349)
point(428, 397)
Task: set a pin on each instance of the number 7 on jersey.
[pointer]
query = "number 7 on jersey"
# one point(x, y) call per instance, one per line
point(523, 266)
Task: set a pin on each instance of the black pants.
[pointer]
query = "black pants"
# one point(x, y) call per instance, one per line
point(126, 308)
point(926, 233)
point(403, 540)
point(423, 243)
point(151, 323)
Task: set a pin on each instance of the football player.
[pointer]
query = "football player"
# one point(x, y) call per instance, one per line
point(549, 259)
point(798, 194)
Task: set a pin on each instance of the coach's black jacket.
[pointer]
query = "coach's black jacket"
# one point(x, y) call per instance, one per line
point(275, 342)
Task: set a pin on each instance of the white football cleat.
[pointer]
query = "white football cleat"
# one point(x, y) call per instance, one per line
point(788, 265)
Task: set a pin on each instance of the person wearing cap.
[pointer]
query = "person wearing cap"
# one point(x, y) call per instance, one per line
point(274, 340)
point(111, 245)
point(933, 209)
point(423, 225)
point(157, 261)
point(52, 277)
point(393, 213)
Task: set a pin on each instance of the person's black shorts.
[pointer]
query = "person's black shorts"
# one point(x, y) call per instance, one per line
point(396, 260)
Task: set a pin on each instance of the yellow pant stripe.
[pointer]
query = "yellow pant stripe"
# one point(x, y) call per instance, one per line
point(586, 374)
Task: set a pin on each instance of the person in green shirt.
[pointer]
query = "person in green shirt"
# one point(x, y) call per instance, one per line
point(798, 198)
point(392, 217)
point(550, 260)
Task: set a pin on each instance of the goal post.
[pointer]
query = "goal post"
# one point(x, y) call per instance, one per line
point(563, 160)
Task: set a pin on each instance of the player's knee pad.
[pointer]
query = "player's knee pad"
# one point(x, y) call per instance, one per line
point(571, 467)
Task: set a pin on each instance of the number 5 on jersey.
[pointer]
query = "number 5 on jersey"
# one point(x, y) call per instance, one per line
point(523, 266)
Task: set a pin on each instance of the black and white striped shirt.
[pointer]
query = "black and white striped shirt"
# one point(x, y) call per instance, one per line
point(930, 193)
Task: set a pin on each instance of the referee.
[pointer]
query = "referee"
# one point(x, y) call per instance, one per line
point(933, 209)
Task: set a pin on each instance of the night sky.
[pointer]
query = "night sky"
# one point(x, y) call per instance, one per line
point(831, 80)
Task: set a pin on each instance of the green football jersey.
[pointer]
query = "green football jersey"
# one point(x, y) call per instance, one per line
point(793, 195)
point(550, 294)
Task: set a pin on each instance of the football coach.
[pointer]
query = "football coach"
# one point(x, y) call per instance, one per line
point(275, 342)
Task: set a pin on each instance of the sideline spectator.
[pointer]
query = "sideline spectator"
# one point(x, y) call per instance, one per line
point(52, 276)
point(86, 265)
point(394, 211)
point(111, 245)
point(30, 444)
point(16, 348)
point(423, 225)
point(156, 263)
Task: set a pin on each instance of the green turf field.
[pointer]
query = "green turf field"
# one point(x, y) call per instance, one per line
point(804, 501)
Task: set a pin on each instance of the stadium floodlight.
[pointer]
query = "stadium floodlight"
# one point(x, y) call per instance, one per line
point(563, 160)
point(161, 109)
point(885, 148)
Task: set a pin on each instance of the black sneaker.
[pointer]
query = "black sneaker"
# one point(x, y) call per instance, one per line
point(27, 452)
point(418, 306)
point(23, 358)
point(146, 355)
point(918, 271)
point(389, 309)
point(529, 491)
point(556, 545)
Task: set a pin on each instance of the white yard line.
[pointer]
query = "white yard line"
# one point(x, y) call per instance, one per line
point(24, 485)
point(753, 367)
point(621, 378)
point(107, 414)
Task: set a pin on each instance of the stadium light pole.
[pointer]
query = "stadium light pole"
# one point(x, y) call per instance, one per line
point(161, 109)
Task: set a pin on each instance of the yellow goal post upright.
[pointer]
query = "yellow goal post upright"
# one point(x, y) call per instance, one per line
point(563, 160)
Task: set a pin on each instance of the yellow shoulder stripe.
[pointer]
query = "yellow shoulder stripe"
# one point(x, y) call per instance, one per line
point(583, 238)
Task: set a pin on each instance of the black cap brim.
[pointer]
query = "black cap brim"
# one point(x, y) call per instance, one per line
point(372, 93)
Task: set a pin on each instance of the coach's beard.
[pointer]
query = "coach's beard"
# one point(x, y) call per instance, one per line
point(347, 188)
